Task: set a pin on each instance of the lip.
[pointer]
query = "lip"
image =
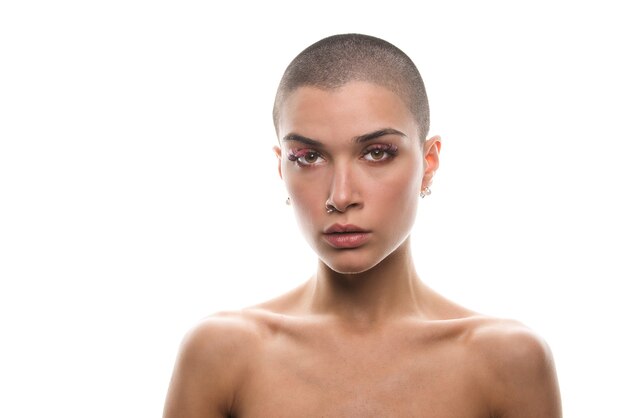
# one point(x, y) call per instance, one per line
point(346, 236)
point(339, 228)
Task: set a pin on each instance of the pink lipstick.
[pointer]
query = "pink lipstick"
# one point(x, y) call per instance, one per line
point(346, 236)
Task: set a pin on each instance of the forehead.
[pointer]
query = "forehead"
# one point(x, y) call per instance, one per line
point(350, 110)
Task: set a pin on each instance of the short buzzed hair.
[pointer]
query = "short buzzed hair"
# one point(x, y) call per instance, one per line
point(334, 61)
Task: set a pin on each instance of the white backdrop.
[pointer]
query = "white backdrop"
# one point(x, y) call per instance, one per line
point(139, 193)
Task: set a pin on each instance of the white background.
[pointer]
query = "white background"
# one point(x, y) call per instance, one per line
point(139, 193)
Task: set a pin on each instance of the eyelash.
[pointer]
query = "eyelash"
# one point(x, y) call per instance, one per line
point(389, 149)
point(297, 154)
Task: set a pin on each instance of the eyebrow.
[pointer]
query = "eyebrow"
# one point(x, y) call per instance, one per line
point(357, 139)
point(377, 134)
point(303, 139)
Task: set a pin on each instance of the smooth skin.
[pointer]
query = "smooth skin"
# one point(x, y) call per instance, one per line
point(364, 336)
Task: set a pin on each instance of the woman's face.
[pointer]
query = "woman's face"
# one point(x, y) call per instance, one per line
point(357, 149)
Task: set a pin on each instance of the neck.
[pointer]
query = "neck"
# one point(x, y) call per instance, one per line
point(390, 289)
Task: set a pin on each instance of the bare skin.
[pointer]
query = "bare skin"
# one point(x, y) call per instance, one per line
point(363, 337)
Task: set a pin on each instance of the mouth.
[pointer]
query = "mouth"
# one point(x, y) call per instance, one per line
point(346, 236)
point(343, 229)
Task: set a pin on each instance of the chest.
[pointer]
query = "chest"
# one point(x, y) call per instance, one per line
point(379, 377)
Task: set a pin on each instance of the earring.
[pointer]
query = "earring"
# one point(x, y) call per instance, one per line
point(288, 201)
point(425, 192)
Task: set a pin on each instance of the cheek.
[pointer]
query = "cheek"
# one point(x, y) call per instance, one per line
point(399, 185)
point(396, 197)
point(307, 198)
point(303, 189)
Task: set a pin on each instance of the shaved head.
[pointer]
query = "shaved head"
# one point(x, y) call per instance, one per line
point(334, 61)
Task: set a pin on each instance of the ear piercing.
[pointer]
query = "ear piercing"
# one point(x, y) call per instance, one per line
point(288, 201)
point(425, 192)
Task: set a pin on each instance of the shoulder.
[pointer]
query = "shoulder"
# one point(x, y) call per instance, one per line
point(211, 364)
point(221, 328)
point(516, 367)
point(224, 338)
point(509, 344)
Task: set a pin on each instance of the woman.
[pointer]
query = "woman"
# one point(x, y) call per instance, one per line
point(364, 336)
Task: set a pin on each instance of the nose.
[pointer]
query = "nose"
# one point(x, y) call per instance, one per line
point(344, 191)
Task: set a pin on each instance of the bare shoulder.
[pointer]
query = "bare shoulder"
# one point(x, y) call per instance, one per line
point(224, 332)
point(211, 365)
point(518, 371)
point(509, 344)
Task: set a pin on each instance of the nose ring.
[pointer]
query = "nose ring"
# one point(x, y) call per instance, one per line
point(330, 208)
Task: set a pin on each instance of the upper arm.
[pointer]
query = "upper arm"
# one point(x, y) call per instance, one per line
point(206, 372)
point(523, 381)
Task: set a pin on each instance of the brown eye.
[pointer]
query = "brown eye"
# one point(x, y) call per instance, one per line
point(310, 157)
point(377, 154)
point(380, 153)
point(306, 157)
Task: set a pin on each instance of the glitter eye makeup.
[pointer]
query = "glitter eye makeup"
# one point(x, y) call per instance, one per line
point(304, 157)
point(380, 152)
point(376, 153)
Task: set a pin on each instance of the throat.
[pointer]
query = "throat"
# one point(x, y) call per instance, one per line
point(385, 291)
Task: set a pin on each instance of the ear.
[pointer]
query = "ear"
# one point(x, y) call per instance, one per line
point(431, 149)
point(278, 152)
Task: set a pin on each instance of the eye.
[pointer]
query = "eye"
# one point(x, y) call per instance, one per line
point(309, 158)
point(380, 152)
point(376, 154)
point(305, 157)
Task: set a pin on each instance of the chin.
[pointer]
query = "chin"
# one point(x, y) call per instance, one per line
point(349, 262)
point(347, 270)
